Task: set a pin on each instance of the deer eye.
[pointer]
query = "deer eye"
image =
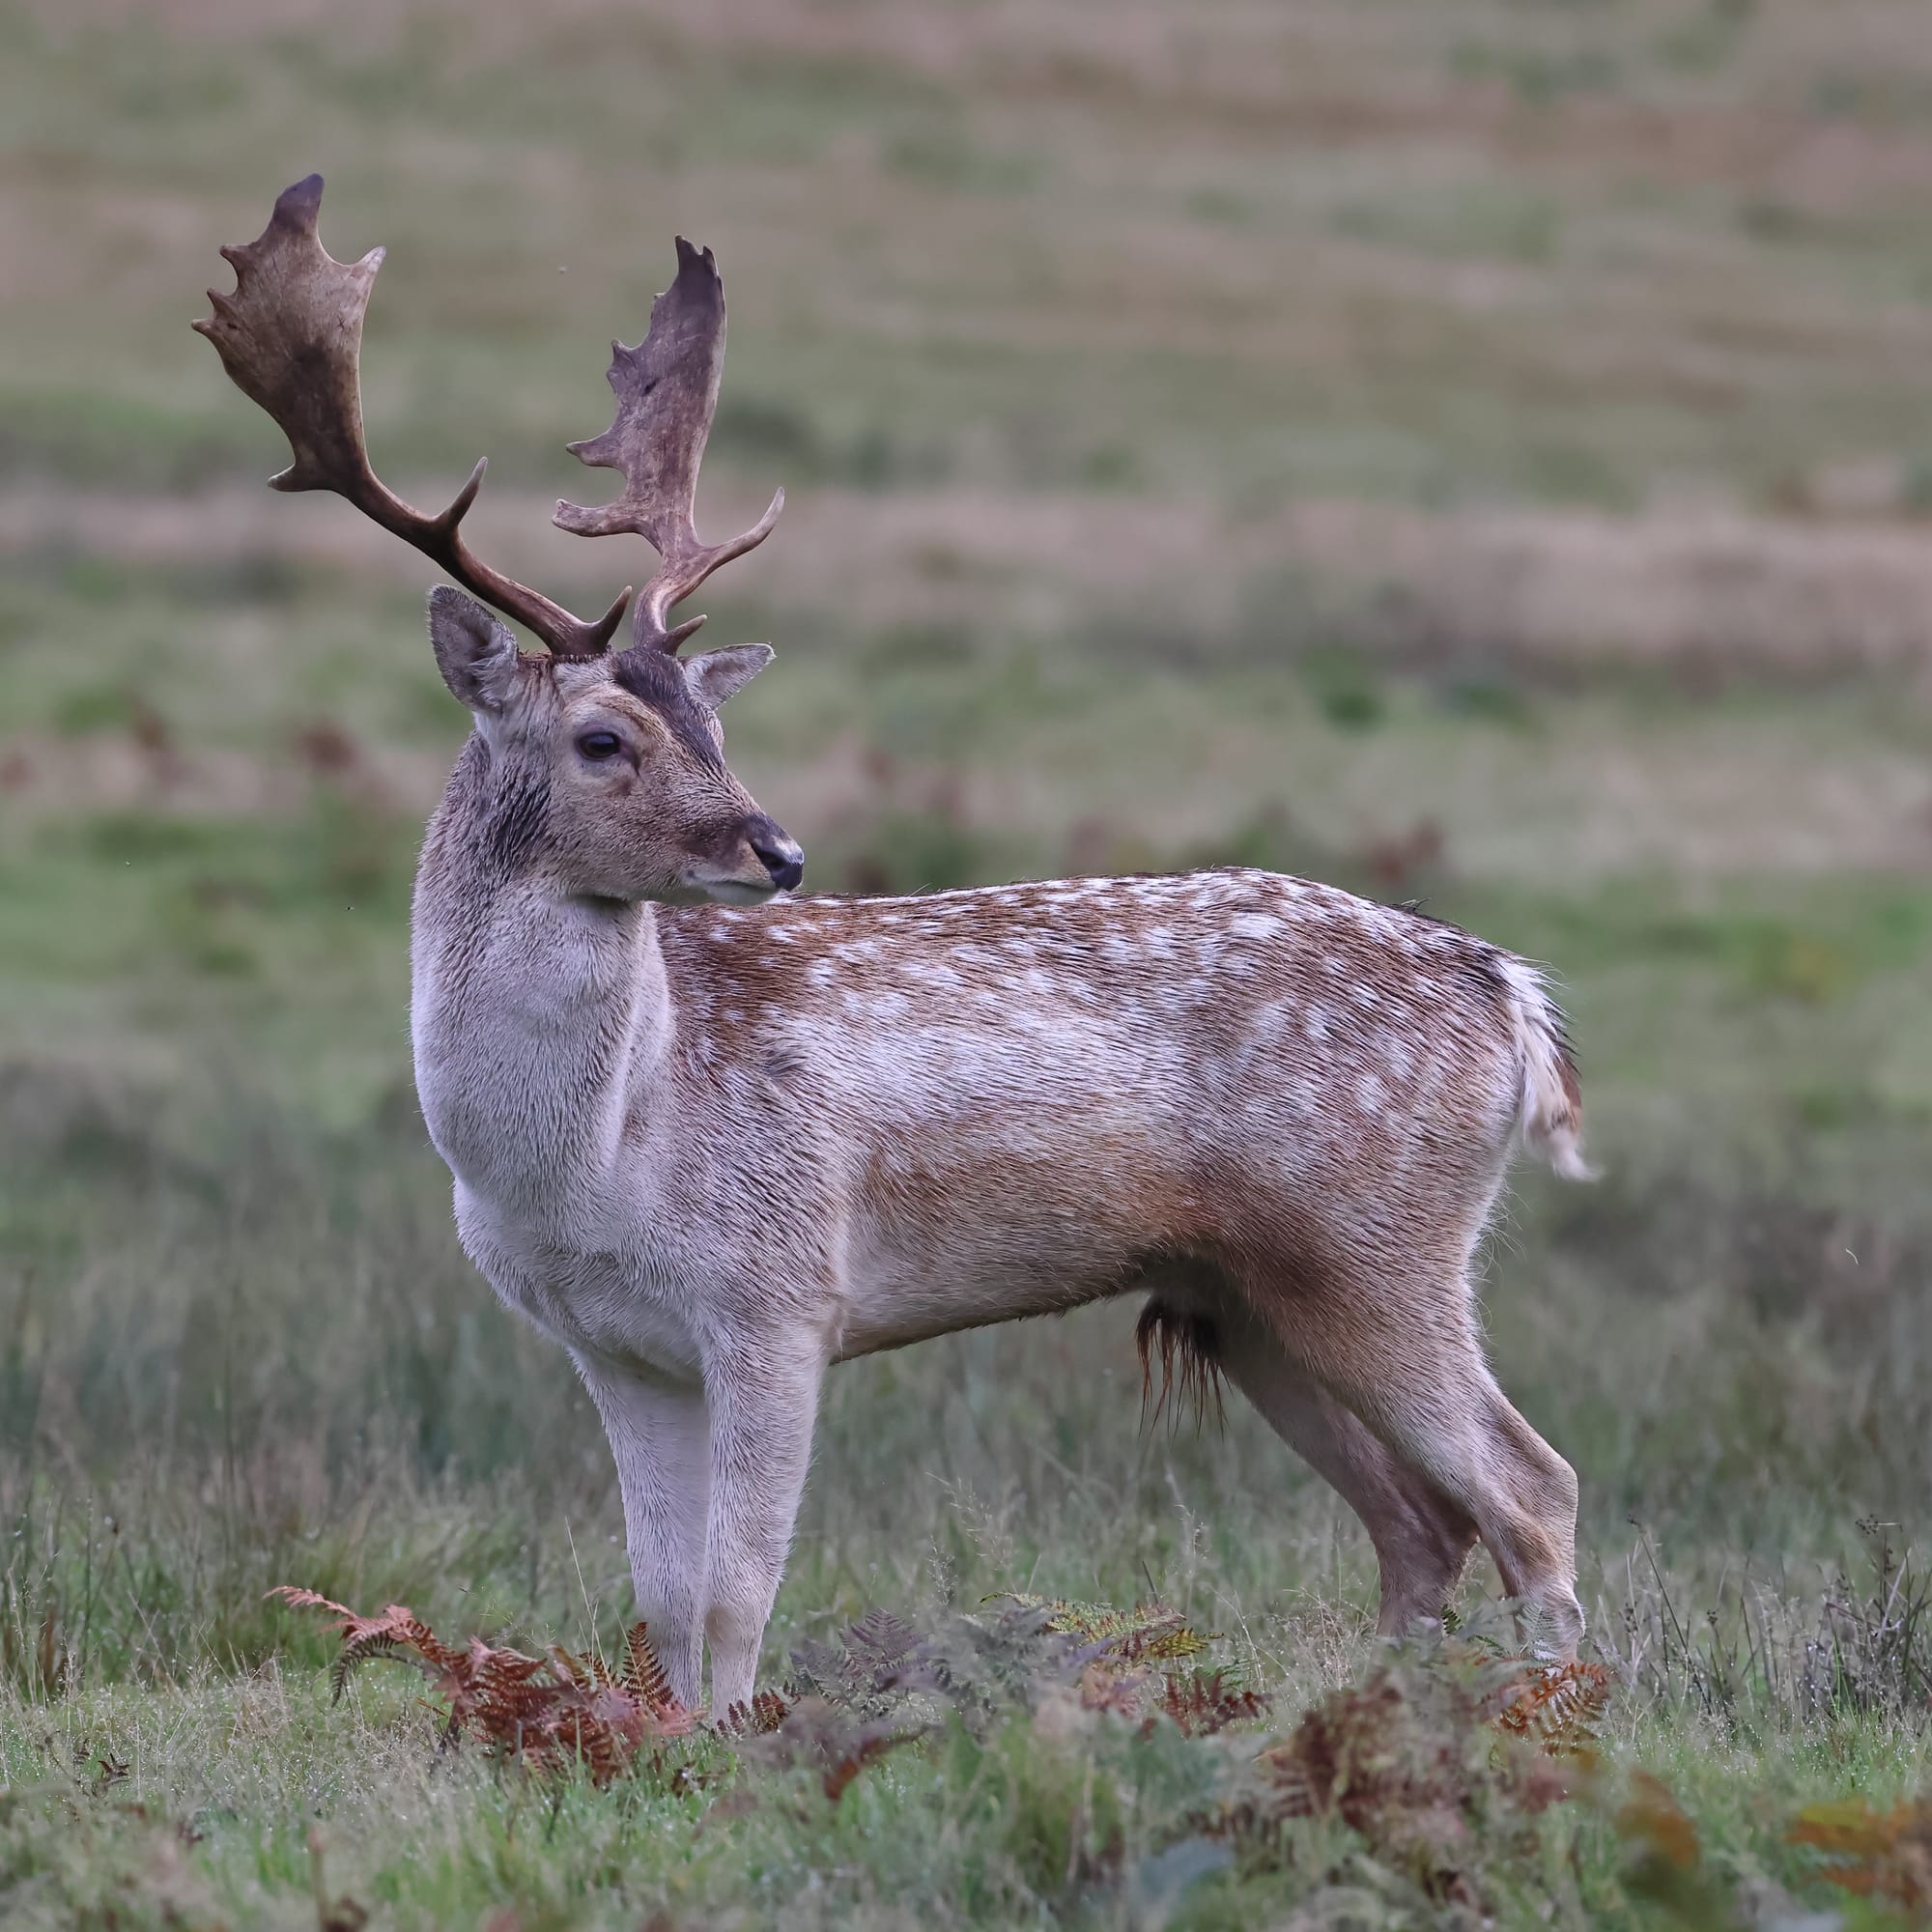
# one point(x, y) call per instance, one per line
point(599, 745)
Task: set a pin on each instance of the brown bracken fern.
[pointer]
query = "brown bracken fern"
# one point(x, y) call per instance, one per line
point(825, 1738)
point(1201, 1702)
point(1129, 1663)
point(1885, 1855)
point(559, 1710)
point(1412, 1762)
point(1421, 1761)
point(548, 1712)
point(1557, 1707)
point(1149, 1633)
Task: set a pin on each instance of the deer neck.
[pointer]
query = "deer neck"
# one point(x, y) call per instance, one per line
point(539, 1023)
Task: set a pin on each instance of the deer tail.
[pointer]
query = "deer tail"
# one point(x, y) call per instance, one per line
point(1552, 1116)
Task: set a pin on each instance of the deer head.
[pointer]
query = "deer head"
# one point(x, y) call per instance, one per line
point(599, 772)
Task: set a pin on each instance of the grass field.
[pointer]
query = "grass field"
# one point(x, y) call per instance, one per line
point(1468, 449)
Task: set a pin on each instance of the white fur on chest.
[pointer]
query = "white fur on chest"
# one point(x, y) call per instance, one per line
point(629, 1293)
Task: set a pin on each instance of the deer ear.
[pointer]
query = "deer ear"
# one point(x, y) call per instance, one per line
point(714, 675)
point(475, 651)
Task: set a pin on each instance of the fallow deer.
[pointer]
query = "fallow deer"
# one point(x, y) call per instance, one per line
point(713, 1138)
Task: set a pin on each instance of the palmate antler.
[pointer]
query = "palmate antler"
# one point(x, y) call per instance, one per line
point(290, 338)
point(667, 392)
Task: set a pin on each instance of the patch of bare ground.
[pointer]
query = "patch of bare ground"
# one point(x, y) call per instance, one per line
point(126, 772)
point(1703, 590)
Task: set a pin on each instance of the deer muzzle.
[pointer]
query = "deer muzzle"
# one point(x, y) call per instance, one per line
point(780, 855)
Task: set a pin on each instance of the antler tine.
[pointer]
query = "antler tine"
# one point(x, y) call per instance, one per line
point(667, 390)
point(290, 339)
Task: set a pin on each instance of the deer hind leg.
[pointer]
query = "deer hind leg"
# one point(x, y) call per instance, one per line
point(1422, 1540)
point(1402, 1354)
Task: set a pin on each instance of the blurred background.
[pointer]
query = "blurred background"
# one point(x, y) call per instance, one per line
point(1474, 450)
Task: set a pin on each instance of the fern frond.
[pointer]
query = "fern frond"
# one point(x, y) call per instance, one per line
point(300, 1599)
point(548, 1712)
point(762, 1716)
point(643, 1675)
point(1557, 1707)
point(1149, 1633)
point(1883, 1855)
point(1207, 1701)
point(820, 1736)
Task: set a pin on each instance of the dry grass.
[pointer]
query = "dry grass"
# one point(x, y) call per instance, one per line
point(1702, 590)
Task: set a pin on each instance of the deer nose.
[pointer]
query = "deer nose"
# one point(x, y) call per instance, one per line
point(782, 857)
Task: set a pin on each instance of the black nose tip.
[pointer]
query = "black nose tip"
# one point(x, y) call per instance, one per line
point(779, 855)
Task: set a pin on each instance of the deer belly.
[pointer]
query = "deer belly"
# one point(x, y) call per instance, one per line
point(1047, 1209)
point(894, 1299)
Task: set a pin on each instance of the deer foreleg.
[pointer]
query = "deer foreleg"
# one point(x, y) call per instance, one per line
point(659, 1438)
point(763, 1405)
